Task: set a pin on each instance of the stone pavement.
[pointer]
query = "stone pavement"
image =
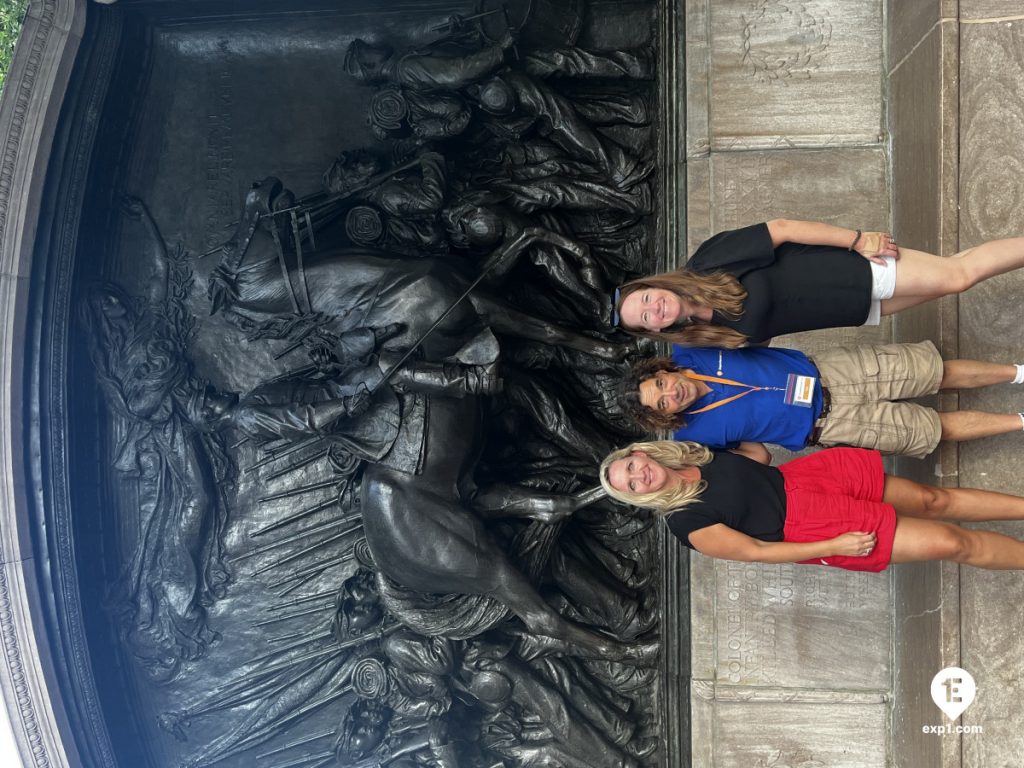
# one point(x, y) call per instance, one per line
point(956, 105)
point(906, 114)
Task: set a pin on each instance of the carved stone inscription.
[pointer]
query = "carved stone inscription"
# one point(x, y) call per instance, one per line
point(801, 626)
point(744, 189)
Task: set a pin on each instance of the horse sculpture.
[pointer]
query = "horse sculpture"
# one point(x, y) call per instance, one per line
point(421, 528)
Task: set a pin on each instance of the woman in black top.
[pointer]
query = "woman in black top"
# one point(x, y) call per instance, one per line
point(835, 507)
point(748, 285)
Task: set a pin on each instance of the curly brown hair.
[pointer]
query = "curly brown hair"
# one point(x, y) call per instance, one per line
point(718, 290)
point(648, 418)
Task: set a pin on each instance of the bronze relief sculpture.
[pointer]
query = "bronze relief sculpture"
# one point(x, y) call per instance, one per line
point(437, 315)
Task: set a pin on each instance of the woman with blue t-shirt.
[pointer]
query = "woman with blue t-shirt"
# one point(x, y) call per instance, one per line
point(749, 285)
point(843, 396)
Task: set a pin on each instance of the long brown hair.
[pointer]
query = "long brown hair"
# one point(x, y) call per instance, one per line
point(718, 290)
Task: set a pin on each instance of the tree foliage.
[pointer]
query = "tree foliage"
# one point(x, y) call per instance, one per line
point(12, 14)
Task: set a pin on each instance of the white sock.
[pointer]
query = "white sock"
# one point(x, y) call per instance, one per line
point(1021, 421)
point(1019, 378)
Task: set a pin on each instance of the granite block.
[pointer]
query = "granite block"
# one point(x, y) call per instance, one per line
point(990, 9)
point(698, 204)
point(698, 60)
point(702, 725)
point(991, 131)
point(801, 626)
point(908, 25)
point(846, 187)
point(992, 202)
point(915, 113)
point(787, 74)
point(992, 650)
point(703, 631)
point(800, 735)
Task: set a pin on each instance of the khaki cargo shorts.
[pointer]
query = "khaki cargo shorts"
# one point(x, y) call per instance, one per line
point(866, 384)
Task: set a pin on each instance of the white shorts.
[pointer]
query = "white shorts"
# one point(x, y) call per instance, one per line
point(883, 286)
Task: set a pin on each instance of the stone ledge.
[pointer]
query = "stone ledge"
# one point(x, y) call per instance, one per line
point(671, 245)
point(924, 126)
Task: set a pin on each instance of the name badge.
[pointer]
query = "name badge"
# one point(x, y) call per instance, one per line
point(800, 390)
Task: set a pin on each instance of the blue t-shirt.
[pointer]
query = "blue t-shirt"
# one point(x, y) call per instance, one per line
point(762, 416)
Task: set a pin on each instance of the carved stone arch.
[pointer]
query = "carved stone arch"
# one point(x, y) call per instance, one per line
point(40, 71)
point(59, 90)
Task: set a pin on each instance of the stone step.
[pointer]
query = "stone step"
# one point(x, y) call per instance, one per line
point(956, 110)
point(922, 98)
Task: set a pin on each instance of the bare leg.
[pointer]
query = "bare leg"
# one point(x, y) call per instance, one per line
point(970, 374)
point(920, 275)
point(965, 504)
point(918, 540)
point(894, 305)
point(970, 425)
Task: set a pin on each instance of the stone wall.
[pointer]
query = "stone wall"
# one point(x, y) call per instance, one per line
point(923, 74)
point(792, 664)
point(956, 72)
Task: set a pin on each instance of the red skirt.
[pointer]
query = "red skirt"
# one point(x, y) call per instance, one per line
point(836, 491)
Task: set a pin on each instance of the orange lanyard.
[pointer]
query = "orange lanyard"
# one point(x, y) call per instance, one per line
point(730, 382)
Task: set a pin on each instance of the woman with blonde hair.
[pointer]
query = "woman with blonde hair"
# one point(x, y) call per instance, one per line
point(835, 507)
point(751, 284)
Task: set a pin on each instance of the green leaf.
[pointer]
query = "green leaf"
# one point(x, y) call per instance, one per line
point(12, 14)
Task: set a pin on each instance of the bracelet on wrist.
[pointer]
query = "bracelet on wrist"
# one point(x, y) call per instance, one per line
point(855, 240)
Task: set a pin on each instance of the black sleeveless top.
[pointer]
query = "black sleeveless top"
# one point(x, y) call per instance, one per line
point(791, 288)
point(743, 494)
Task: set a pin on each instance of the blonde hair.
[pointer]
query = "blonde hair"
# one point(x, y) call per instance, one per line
point(671, 454)
point(718, 290)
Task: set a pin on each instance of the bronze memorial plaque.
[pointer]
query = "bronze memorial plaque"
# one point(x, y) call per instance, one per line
point(326, 365)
